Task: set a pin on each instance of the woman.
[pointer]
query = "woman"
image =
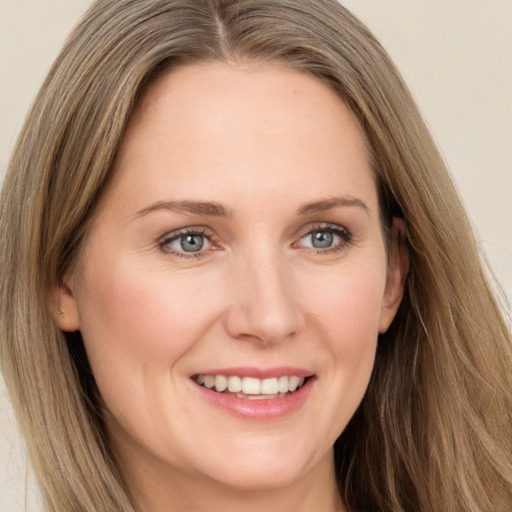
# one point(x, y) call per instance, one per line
point(230, 244)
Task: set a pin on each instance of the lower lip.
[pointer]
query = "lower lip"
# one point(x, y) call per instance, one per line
point(262, 409)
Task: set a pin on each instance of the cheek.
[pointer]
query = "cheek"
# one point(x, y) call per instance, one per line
point(136, 321)
point(347, 316)
point(353, 335)
point(349, 303)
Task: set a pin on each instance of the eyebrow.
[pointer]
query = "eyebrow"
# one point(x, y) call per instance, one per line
point(213, 209)
point(210, 209)
point(334, 202)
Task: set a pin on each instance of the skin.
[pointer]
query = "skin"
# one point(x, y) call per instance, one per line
point(263, 141)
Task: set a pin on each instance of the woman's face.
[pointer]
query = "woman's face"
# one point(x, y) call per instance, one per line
point(239, 245)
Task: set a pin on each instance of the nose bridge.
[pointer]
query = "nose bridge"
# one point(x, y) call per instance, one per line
point(264, 305)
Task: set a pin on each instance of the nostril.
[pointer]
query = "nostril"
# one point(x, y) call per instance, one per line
point(265, 327)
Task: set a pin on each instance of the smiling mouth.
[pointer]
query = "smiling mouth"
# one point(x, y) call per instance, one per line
point(251, 388)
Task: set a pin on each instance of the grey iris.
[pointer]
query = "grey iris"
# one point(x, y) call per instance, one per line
point(192, 243)
point(322, 239)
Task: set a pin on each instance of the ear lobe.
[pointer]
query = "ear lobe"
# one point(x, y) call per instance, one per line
point(398, 268)
point(63, 307)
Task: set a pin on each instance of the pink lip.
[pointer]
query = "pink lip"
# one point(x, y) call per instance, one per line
point(258, 373)
point(257, 410)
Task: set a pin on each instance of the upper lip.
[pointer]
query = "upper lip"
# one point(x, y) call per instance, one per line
point(258, 373)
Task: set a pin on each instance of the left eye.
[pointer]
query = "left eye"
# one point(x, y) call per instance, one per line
point(188, 243)
point(325, 238)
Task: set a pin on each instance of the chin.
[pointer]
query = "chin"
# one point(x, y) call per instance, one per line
point(268, 467)
point(249, 478)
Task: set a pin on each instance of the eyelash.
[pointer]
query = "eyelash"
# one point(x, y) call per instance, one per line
point(343, 234)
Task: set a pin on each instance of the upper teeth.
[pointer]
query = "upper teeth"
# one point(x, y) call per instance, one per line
point(251, 385)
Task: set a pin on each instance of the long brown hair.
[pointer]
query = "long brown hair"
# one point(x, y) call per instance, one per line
point(434, 431)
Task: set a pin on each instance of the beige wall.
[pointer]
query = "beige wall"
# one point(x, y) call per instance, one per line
point(456, 56)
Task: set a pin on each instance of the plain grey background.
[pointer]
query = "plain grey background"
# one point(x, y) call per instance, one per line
point(456, 56)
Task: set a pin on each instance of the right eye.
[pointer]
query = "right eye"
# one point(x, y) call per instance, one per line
point(187, 243)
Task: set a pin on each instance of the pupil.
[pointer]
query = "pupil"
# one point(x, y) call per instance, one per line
point(322, 239)
point(192, 243)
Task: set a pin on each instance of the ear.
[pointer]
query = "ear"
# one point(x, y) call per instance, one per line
point(398, 268)
point(63, 306)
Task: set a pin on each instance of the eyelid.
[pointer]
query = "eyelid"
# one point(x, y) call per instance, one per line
point(323, 226)
point(175, 233)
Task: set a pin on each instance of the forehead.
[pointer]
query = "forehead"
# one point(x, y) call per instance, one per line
point(251, 124)
point(209, 95)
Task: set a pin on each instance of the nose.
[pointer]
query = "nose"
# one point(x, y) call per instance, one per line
point(264, 305)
